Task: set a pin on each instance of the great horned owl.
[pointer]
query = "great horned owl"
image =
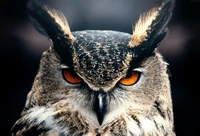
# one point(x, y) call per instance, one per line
point(97, 82)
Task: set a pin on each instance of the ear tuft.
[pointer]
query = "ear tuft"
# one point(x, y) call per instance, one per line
point(49, 22)
point(151, 24)
point(61, 21)
point(143, 26)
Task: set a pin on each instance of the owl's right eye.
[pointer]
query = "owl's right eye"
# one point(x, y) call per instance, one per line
point(71, 77)
point(130, 79)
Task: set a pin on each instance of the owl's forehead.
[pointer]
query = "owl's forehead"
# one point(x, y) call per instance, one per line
point(103, 37)
point(101, 56)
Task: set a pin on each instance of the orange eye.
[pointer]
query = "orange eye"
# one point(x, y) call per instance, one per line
point(71, 77)
point(131, 79)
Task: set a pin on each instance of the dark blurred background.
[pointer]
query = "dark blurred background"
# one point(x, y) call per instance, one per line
point(21, 47)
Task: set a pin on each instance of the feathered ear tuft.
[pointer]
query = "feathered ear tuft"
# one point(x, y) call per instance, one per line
point(49, 22)
point(152, 24)
point(143, 26)
point(52, 23)
point(61, 21)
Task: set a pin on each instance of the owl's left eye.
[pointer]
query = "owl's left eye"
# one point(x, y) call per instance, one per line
point(71, 77)
point(131, 78)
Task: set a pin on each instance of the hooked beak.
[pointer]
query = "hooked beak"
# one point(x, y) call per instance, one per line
point(100, 105)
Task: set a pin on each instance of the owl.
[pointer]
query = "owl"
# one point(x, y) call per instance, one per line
point(99, 82)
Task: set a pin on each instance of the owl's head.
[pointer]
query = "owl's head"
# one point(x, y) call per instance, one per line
point(103, 66)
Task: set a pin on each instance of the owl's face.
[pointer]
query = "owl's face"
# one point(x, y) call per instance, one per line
point(103, 61)
point(105, 74)
point(102, 72)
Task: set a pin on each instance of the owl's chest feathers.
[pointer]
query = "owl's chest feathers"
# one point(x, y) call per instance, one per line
point(64, 120)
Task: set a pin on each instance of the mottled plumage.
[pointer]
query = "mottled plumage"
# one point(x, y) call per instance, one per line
point(96, 82)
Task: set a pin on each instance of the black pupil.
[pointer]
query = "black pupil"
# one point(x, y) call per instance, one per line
point(129, 74)
point(72, 72)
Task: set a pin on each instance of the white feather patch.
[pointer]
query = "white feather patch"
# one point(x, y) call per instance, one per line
point(148, 126)
point(133, 128)
point(45, 115)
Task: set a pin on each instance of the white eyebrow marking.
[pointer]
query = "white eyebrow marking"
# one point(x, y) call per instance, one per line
point(62, 66)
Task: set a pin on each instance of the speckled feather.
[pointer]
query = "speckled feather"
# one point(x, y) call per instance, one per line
point(101, 54)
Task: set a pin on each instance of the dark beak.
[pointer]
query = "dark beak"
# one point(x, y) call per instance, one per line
point(100, 105)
